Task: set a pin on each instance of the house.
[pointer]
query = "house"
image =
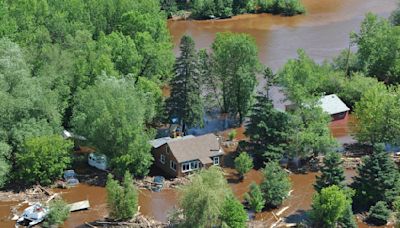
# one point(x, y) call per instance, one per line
point(334, 106)
point(182, 155)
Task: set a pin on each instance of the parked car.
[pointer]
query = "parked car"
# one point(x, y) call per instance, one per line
point(98, 161)
point(70, 177)
point(158, 183)
point(33, 215)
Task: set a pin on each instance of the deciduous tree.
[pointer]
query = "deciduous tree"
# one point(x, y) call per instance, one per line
point(255, 198)
point(243, 164)
point(233, 213)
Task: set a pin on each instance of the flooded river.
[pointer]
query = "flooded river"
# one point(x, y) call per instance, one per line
point(323, 32)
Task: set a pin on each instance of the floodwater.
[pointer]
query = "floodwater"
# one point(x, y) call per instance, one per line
point(343, 130)
point(323, 32)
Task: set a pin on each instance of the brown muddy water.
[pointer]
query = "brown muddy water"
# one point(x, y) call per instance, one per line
point(323, 31)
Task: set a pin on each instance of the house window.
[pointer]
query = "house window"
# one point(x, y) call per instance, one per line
point(166, 150)
point(172, 165)
point(162, 158)
point(190, 166)
point(216, 160)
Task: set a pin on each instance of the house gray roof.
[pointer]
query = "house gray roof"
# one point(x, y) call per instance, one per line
point(161, 141)
point(332, 104)
point(190, 148)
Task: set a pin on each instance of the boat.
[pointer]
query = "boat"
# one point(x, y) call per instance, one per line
point(33, 215)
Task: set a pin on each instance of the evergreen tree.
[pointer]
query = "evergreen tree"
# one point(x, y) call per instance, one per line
point(379, 214)
point(268, 129)
point(348, 220)
point(185, 102)
point(255, 198)
point(332, 172)
point(378, 179)
point(233, 214)
point(276, 184)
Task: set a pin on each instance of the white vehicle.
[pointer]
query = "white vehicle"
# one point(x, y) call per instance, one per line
point(98, 161)
point(33, 215)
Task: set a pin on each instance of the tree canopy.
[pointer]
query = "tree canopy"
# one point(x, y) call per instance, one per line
point(332, 172)
point(112, 115)
point(276, 184)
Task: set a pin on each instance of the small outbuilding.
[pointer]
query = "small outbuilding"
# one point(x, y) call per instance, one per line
point(180, 156)
point(334, 106)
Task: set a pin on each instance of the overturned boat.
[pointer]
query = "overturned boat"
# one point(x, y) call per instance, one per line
point(33, 215)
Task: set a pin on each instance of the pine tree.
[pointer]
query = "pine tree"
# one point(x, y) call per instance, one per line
point(378, 179)
point(276, 184)
point(255, 198)
point(185, 102)
point(268, 129)
point(332, 172)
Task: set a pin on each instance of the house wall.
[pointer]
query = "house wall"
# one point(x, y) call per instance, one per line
point(340, 116)
point(164, 149)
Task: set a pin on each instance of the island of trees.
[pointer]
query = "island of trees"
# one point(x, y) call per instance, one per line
point(96, 67)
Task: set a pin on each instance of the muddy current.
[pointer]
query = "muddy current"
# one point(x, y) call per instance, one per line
point(323, 32)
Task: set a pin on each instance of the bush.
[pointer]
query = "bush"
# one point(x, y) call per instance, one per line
point(122, 200)
point(329, 207)
point(232, 135)
point(233, 214)
point(59, 212)
point(379, 214)
point(243, 164)
point(43, 159)
point(255, 198)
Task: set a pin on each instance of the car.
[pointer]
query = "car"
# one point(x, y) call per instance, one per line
point(98, 161)
point(70, 177)
point(158, 183)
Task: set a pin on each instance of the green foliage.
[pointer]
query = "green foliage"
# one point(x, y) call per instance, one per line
point(377, 112)
point(332, 172)
point(378, 179)
point(283, 7)
point(5, 167)
point(233, 213)
point(311, 135)
point(255, 198)
point(122, 200)
point(329, 207)
point(396, 209)
point(43, 159)
point(243, 163)
point(276, 184)
point(395, 17)
point(232, 135)
point(202, 200)
point(59, 212)
point(379, 214)
point(269, 129)
point(205, 9)
point(378, 45)
point(348, 220)
point(304, 79)
point(112, 115)
point(235, 64)
point(185, 102)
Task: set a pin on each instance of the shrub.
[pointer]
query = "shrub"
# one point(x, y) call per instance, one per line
point(58, 213)
point(255, 198)
point(232, 135)
point(379, 213)
point(243, 164)
point(122, 200)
